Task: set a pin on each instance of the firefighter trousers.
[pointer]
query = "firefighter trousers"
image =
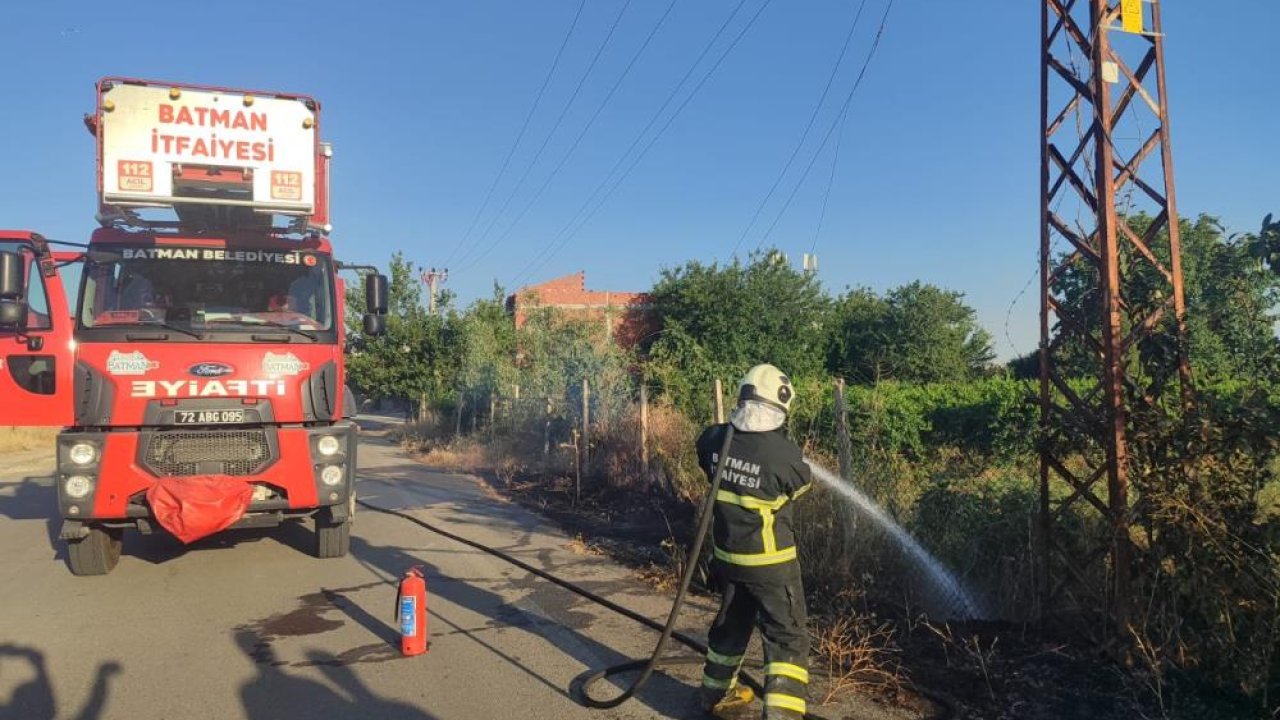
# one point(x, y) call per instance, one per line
point(775, 604)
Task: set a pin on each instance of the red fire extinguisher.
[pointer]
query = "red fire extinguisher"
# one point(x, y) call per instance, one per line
point(411, 612)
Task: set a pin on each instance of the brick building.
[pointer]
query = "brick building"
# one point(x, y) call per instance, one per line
point(623, 314)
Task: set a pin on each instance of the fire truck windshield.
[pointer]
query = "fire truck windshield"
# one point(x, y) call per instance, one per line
point(207, 291)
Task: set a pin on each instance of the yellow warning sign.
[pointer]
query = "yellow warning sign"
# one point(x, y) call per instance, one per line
point(1131, 15)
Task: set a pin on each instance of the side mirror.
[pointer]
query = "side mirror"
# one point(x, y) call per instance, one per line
point(11, 285)
point(375, 325)
point(13, 306)
point(13, 315)
point(375, 293)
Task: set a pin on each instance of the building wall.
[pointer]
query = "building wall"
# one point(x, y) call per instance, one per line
point(623, 313)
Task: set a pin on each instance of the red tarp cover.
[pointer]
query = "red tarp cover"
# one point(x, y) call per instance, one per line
point(200, 505)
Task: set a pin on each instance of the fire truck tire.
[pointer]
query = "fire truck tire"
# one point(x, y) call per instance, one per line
point(96, 553)
point(333, 539)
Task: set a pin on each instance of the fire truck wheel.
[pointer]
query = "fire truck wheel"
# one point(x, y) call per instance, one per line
point(96, 553)
point(333, 539)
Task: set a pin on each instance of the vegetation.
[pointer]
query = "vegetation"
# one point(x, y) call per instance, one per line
point(914, 333)
point(940, 436)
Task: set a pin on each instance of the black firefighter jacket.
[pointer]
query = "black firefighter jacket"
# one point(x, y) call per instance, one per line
point(764, 472)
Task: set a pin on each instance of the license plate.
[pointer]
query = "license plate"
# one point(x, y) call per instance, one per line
point(208, 417)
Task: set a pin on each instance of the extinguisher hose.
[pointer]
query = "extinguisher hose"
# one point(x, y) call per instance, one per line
point(646, 666)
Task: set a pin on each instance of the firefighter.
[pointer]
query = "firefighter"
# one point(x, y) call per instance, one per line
point(754, 551)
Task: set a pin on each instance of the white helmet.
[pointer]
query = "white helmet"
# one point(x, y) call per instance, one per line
point(767, 384)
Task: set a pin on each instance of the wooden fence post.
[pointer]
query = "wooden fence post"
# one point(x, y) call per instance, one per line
point(601, 414)
point(577, 475)
point(719, 400)
point(493, 414)
point(546, 432)
point(457, 415)
point(644, 429)
point(842, 430)
point(586, 427)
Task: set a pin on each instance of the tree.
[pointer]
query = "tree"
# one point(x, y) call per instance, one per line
point(558, 350)
point(718, 320)
point(1266, 244)
point(914, 333)
point(1231, 301)
point(487, 346)
point(418, 355)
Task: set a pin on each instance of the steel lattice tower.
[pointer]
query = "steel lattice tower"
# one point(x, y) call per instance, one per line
point(1105, 158)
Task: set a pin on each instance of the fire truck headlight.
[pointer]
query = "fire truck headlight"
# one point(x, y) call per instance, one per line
point(77, 486)
point(328, 445)
point(331, 475)
point(82, 453)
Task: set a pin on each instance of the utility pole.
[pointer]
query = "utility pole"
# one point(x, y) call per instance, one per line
point(1104, 112)
point(433, 278)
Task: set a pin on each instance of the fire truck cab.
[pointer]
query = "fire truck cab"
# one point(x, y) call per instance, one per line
point(199, 376)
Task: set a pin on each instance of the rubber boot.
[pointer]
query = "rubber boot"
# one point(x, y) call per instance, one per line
point(726, 704)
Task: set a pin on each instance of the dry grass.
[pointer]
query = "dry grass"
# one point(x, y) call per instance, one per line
point(673, 462)
point(661, 578)
point(858, 653)
point(967, 650)
point(1269, 502)
point(19, 439)
point(666, 576)
point(579, 545)
point(433, 444)
point(460, 456)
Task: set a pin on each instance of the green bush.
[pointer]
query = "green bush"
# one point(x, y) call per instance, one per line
point(983, 528)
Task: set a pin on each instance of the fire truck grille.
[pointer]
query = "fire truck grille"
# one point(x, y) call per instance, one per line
point(181, 454)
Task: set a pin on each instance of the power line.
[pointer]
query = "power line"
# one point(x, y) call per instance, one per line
point(573, 231)
point(831, 180)
point(520, 135)
point(578, 140)
point(568, 231)
point(554, 247)
point(875, 45)
point(595, 59)
point(813, 116)
point(675, 91)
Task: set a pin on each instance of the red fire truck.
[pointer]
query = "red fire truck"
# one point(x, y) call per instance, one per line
point(199, 379)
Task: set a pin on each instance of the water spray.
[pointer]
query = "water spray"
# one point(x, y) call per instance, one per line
point(945, 584)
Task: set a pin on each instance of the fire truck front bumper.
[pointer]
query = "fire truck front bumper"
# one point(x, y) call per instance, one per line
point(104, 476)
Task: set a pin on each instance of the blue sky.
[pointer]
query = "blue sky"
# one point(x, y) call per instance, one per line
point(937, 177)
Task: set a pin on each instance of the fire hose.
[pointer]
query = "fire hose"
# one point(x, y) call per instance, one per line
point(655, 660)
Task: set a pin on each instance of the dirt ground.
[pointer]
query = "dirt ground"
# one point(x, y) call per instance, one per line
point(22, 439)
point(977, 670)
point(895, 659)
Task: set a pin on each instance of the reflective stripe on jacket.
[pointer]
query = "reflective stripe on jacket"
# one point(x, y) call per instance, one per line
point(763, 473)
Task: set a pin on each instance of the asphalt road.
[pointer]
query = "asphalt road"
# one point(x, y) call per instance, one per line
point(249, 625)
